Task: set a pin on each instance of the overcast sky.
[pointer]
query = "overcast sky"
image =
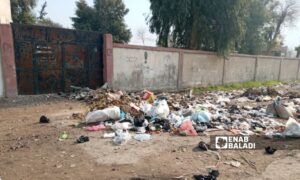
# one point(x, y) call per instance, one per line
point(61, 11)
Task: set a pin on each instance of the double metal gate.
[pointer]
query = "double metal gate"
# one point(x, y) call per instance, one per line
point(50, 60)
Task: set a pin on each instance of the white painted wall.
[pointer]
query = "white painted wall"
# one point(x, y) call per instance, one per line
point(162, 70)
point(201, 70)
point(137, 69)
point(5, 12)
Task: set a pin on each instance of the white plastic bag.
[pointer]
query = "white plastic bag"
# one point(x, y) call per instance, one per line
point(142, 137)
point(103, 115)
point(121, 126)
point(292, 128)
point(160, 109)
point(146, 108)
point(121, 137)
point(175, 120)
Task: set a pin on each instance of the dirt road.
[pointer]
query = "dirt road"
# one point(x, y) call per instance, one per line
point(29, 150)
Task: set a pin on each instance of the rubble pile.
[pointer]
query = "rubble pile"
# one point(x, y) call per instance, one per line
point(124, 116)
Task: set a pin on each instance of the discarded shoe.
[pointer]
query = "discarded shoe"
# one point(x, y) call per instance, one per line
point(44, 120)
point(270, 150)
point(203, 177)
point(213, 174)
point(82, 139)
point(203, 146)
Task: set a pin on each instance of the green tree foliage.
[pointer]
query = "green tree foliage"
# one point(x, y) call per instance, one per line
point(246, 26)
point(106, 16)
point(254, 41)
point(48, 22)
point(212, 25)
point(263, 26)
point(298, 51)
point(22, 11)
point(85, 17)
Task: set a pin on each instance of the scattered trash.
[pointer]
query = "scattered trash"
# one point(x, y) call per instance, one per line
point(213, 174)
point(234, 163)
point(44, 120)
point(160, 109)
point(175, 120)
point(187, 129)
point(142, 137)
point(223, 100)
point(242, 99)
point(63, 136)
point(261, 91)
point(109, 135)
point(292, 128)
point(146, 108)
point(270, 150)
point(148, 96)
point(121, 126)
point(115, 96)
point(277, 109)
point(203, 146)
point(96, 128)
point(234, 109)
point(82, 139)
point(201, 117)
point(185, 114)
point(121, 137)
point(103, 115)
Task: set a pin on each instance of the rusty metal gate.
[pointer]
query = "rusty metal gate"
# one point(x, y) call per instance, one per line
point(50, 60)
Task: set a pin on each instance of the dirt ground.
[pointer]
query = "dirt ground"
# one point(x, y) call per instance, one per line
point(29, 150)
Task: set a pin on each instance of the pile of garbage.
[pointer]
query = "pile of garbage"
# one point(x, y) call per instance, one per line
point(124, 116)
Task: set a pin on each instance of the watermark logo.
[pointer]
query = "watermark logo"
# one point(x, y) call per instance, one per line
point(221, 142)
point(238, 142)
point(233, 142)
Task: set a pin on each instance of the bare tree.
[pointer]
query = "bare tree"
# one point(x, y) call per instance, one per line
point(284, 12)
point(141, 35)
point(42, 12)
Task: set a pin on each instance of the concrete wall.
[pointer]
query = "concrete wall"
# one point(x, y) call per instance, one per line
point(268, 68)
point(1, 78)
point(239, 69)
point(168, 68)
point(298, 77)
point(137, 69)
point(201, 70)
point(289, 69)
point(5, 12)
